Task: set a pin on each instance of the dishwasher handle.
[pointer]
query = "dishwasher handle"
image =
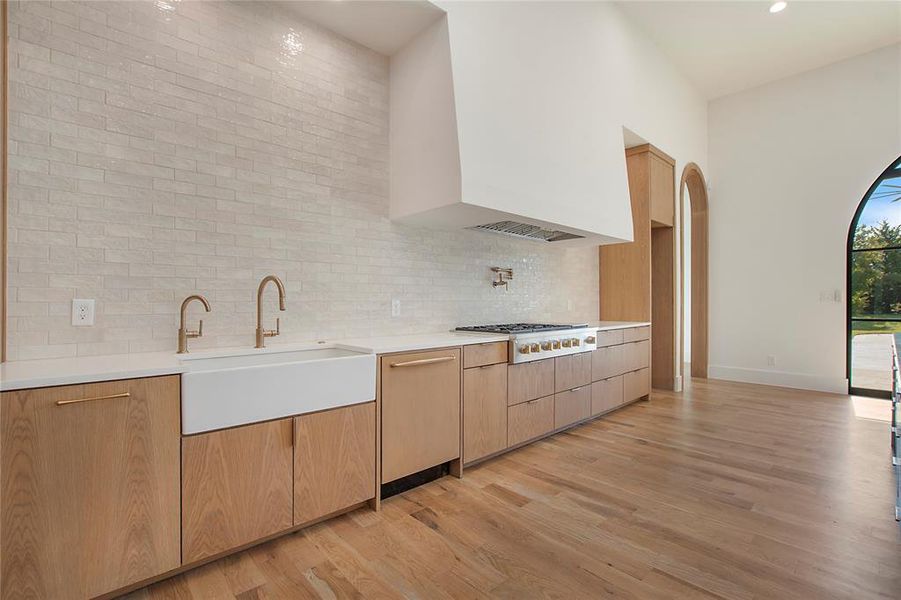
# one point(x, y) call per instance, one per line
point(424, 361)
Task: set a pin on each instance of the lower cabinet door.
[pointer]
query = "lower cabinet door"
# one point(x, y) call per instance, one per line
point(530, 420)
point(606, 394)
point(636, 384)
point(484, 411)
point(572, 406)
point(334, 460)
point(90, 487)
point(236, 487)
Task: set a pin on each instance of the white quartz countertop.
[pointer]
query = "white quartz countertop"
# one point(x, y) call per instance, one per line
point(608, 325)
point(26, 374)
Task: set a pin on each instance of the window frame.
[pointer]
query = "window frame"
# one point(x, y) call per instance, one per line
point(893, 171)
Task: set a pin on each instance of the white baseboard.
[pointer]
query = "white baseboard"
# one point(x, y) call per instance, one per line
point(677, 385)
point(801, 381)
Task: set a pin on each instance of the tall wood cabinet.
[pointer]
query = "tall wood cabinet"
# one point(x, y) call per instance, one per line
point(637, 279)
point(89, 481)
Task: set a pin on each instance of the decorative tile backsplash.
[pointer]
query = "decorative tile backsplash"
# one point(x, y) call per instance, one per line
point(159, 149)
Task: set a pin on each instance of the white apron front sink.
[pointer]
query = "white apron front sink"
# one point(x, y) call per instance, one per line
point(229, 390)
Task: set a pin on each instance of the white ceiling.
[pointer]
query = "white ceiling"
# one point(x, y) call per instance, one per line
point(384, 25)
point(724, 47)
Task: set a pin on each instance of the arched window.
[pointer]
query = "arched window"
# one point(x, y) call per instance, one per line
point(874, 284)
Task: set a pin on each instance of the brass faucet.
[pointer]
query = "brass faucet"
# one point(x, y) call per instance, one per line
point(262, 334)
point(183, 333)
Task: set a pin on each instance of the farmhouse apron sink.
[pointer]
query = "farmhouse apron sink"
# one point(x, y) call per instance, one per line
point(220, 391)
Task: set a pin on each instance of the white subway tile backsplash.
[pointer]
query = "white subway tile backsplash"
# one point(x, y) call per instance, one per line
point(157, 153)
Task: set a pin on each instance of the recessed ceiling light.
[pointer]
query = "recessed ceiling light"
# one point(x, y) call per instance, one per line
point(778, 6)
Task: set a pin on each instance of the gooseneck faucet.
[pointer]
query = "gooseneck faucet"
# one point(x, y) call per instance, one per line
point(262, 334)
point(183, 333)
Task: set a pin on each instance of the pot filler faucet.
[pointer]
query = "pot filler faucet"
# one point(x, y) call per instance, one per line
point(262, 334)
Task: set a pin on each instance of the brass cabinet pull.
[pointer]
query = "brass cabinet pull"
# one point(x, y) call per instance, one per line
point(110, 397)
point(424, 361)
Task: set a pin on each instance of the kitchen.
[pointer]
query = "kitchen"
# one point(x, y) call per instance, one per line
point(292, 286)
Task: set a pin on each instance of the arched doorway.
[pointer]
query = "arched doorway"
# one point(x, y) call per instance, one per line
point(874, 285)
point(693, 208)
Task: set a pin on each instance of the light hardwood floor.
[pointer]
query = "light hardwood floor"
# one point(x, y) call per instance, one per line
point(730, 491)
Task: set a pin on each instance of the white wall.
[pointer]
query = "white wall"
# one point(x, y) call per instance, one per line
point(789, 163)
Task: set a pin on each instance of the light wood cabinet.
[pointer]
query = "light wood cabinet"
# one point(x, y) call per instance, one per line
point(606, 362)
point(484, 411)
point(636, 384)
point(420, 411)
point(477, 355)
point(237, 487)
point(572, 371)
point(663, 190)
point(609, 338)
point(334, 460)
point(529, 420)
point(637, 279)
point(606, 395)
point(529, 381)
point(90, 487)
point(572, 406)
point(636, 334)
point(636, 355)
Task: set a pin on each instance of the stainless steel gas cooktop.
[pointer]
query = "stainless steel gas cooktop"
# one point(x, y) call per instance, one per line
point(513, 328)
point(536, 341)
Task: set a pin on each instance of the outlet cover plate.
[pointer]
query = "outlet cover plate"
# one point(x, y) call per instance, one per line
point(82, 312)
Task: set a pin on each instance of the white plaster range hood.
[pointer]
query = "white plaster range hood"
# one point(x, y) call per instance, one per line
point(496, 124)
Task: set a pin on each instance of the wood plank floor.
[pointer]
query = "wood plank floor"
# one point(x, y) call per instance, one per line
point(728, 491)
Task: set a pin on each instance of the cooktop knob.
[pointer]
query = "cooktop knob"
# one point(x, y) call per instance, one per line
point(576, 342)
point(566, 343)
point(545, 346)
point(536, 348)
point(590, 339)
point(555, 344)
point(525, 349)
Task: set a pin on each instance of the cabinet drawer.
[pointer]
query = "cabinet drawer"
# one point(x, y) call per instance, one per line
point(606, 362)
point(477, 355)
point(484, 411)
point(572, 371)
point(420, 411)
point(610, 338)
point(528, 381)
point(237, 487)
point(636, 334)
point(606, 394)
point(636, 384)
point(90, 487)
point(636, 355)
point(340, 440)
point(530, 420)
point(572, 406)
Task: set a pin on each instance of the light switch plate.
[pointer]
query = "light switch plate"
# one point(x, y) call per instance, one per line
point(82, 312)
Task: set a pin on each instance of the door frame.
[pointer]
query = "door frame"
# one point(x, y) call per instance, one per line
point(693, 180)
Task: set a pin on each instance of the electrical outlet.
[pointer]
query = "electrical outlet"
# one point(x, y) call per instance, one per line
point(771, 361)
point(395, 308)
point(82, 312)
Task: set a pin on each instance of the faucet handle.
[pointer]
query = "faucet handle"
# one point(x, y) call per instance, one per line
point(276, 331)
point(196, 334)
